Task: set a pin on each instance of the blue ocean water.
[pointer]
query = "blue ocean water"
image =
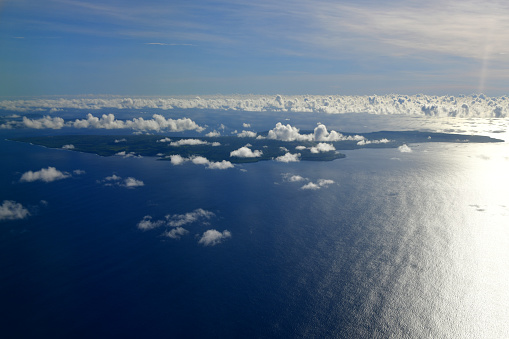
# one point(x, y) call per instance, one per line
point(403, 245)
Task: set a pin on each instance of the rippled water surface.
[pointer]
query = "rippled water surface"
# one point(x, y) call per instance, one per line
point(402, 245)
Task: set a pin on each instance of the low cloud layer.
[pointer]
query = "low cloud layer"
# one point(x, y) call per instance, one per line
point(11, 210)
point(158, 123)
point(477, 105)
point(45, 174)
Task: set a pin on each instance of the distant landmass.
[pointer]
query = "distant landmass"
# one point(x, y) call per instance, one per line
point(242, 149)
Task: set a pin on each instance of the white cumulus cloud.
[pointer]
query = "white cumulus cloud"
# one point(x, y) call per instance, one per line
point(247, 134)
point(246, 152)
point(322, 147)
point(115, 180)
point(70, 146)
point(175, 233)
point(199, 160)
point(11, 210)
point(197, 215)
point(404, 149)
point(188, 142)
point(45, 174)
point(289, 157)
point(213, 237)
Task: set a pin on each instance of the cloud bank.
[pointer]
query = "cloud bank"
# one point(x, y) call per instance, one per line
point(11, 210)
point(158, 123)
point(476, 105)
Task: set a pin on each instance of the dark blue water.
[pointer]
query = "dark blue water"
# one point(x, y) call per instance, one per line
point(400, 245)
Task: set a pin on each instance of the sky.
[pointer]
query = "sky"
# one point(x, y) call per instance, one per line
point(165, 48)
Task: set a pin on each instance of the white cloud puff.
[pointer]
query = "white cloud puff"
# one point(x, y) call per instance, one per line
point(164, 140)
point(320, 133)
point(115, 180)
point(199, 214)
point(199, 160)
point(147, 224)
point(69, 147)
point(45, 122)
point(246, 125)
point(404, 149)
point(246, 152)
point(322, 147)
point(289, 157)
point(247, 134)
point(213, 134)
point(321, 183)
point(188, 142)
point(11, 210)
point(175, 233)
point(213, 237)
point(45, 174)
point(367, 142)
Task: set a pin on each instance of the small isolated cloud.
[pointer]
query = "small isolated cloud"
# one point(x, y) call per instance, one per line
point(70, 146)
point(79, 172)
point(128, 155)
point(246, 152)
point(45, 174)
point(300, 148)
point(322, 147)
point(292, 177)
point(245, 125)
point(404, 149)
point(247, 134)
point(289, 157)
point(199, 160)
point(164, 140)
point(214, 133)
point(213, 237)
point(320, 183)
point(188, 142)
point(147, 224)
point(120, 140)
point(199, 214)
point(115, 180)
point(11, 210)
point(310, 186)
point(175, 233)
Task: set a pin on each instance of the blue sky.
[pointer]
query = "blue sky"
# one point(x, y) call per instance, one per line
point(154, 47)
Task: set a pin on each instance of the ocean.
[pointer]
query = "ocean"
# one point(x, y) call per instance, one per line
point(390, 245)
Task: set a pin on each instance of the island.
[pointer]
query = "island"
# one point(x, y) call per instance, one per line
point(224, 147)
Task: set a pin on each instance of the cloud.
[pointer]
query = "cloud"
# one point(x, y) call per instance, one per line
point(322, 147)
point(246, 125)
point(288, 157)
point(79, 172)
point(108, 121)
point(321, 183)
point(247, 134)
point(292, 177)
point(320, 133)
point(164, 140)
point(128, 155)
point(404, 149)
point(11, 210)
point(199, 214)
point(476, 105)
point(115, 180)
point(70, 146)
point(45, 174)
point(213, 237)
point(174, 222)
point(189, 142)
point(147, 224)
point(175, 233)
point(199, 160)
point(45, 122)
point(120, 140)
point(246, 152)
point(214, 133)
point(381, 141)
